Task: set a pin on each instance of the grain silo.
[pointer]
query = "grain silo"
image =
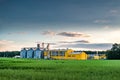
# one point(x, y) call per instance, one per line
point(38, 53)
point(23, 53)
point(30, 53)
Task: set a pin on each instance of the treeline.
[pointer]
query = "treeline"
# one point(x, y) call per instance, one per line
point(9, 53)
point(93, 52)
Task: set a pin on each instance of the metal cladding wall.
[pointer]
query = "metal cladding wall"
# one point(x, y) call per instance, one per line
point(38, 53)
point(30, 53)
point(23, 53)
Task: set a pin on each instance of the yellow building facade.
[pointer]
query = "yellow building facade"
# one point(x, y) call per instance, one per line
point(68, 54)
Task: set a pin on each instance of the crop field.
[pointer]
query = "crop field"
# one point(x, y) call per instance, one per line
point(33, 69)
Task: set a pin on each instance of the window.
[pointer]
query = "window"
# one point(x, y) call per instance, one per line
point(54, 53)
point(62, 53)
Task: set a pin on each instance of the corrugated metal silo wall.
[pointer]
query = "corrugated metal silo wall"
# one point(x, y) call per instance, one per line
point(30, 53)
point(38, 54)
point(23, 54)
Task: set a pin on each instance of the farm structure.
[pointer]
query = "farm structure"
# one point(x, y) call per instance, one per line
point(46, 53)
point(68, 54)
point(32, 52)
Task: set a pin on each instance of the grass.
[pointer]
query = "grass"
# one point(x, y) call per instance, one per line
point(32, 69)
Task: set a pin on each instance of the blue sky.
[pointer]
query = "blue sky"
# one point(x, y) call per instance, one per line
point(24, 22)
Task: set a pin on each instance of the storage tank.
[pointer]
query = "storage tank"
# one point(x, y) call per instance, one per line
point(23, 53)
point(30, 53)
point(38, 53)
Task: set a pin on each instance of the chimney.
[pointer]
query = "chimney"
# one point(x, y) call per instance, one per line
point(38, 45)
point(43, 45)
point(48, 46)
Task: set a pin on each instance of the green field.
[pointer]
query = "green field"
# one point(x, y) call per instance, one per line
point(31, 69)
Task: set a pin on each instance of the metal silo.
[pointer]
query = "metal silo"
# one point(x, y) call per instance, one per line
point(30, 53)
point(23, 53)
point(38, 53)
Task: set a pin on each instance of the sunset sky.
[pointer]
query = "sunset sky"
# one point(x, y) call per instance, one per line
point(76, 24)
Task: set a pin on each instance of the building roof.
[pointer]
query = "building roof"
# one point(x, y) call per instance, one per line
point(76, 52)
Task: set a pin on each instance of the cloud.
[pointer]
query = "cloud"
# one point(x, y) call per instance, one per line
point(73, 34)
point(88, 46)
point(107, 27)
point(114, 11)
point(48, 33)
point(80, 41)
point(9, 33)
point(101, 21)
point(114, 36)
point(2, 42)
point(6, 45)
point(66, 34)
point(51, 43)
point(20, 33)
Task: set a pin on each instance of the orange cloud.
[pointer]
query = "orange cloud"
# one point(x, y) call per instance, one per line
point(6, 45)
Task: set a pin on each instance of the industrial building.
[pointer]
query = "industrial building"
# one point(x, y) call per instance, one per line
point(68, 54)
point(46, 53)
point(32, 52)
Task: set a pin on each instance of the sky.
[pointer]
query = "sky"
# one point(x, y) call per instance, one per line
point(75, 24)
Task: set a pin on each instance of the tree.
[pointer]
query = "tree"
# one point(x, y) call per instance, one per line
point(114, 52)
point(115, 47)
